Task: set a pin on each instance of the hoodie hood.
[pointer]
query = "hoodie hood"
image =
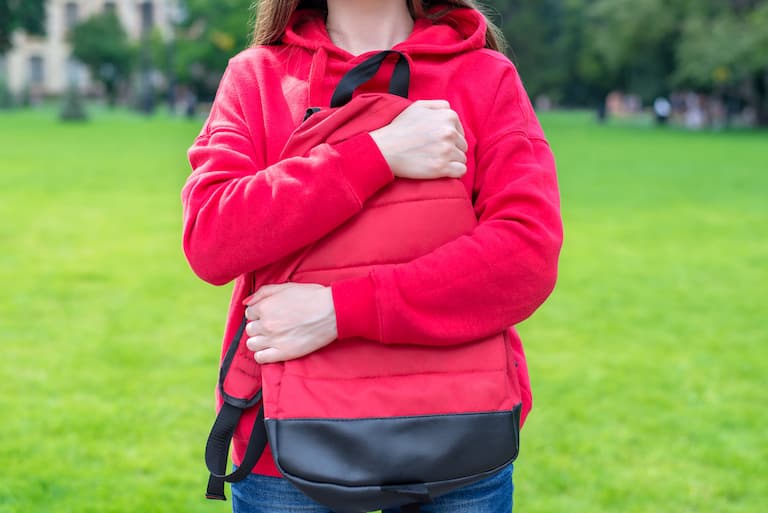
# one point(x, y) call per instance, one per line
point(459, 30)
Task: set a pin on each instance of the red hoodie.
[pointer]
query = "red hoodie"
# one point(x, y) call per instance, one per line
point(245, 210)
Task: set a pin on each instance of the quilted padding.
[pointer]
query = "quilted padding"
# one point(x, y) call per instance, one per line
point(360, 378)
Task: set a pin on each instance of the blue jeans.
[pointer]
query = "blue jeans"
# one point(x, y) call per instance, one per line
point(265, 494)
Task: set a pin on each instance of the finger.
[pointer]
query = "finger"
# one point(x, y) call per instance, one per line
point(453, 117)
point(254, 328)
point(269, 355)
point(253, 313)
point(264, 291)
point(458, 156)
point(455, 169)
point(434, 104)
point(461, 143)
point(460, 129)
point(257, 343)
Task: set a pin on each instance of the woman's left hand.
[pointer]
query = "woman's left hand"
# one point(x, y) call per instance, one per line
point(289, 320)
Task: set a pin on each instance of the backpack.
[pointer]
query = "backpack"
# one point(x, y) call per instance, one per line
point(359, 425)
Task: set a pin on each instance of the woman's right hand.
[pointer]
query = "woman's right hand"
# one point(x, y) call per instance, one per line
point(425, 141)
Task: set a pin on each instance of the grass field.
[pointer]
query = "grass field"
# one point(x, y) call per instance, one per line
point(649, 362)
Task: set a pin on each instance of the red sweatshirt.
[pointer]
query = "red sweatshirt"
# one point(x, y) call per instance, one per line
point(244, 210)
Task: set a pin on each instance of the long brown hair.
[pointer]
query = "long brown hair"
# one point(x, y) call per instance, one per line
point(272, 18)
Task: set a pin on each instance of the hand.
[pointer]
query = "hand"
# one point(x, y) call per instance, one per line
point(425, 141)
point(289, 320)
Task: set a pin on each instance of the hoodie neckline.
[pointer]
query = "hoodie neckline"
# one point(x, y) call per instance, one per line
point(458, 31)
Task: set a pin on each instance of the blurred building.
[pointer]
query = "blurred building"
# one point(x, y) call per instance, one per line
point(43, 63)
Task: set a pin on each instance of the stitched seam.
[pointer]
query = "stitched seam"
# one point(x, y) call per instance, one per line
point(349, 187)
point(353, 266)
point(379, 316)
point(216, 130)
point(432, 415)
point(356, 266)
point(428, 373)
point(417, 200)
point(513, 132)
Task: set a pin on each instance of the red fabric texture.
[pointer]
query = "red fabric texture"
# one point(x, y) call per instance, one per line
point(248, 210)
point(355, 377)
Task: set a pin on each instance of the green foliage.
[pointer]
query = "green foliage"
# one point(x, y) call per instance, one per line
point(210, 35)
point(722, 49)
point(648, 363)
point(534, 30)
point(101, 43)
point(577, 50)
point(631, 44)
point(28, 15)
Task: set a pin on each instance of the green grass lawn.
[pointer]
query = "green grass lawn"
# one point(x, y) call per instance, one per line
point(649, 362)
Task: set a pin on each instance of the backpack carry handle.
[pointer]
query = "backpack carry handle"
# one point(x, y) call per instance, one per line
point(366, 70)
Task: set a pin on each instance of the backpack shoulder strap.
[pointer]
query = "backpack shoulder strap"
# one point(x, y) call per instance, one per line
point(220, 437)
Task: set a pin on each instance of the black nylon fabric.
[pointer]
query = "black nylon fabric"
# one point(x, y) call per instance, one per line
point(394, 450)
point(413, 459)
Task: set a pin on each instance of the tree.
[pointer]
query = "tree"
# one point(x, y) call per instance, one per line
point(725, 51)
point(211, 33)
point(534, 30)
point(28, 15)
point(101, 43)
point(631, 44)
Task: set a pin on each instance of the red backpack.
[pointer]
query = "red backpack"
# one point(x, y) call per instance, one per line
point(359, 425)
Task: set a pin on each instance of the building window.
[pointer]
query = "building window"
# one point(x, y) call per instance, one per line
point(110, 8)
point(36, 70)
point(71, 15)
point(147, 16)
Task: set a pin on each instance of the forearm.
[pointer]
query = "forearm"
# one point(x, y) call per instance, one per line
point(467, 289)
point(477, 284)
point(243, 218)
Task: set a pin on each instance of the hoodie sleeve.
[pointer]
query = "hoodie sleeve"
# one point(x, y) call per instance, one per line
point(486, 281)
point(240, 214)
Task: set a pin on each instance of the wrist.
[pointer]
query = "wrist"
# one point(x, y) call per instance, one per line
point(383, 142)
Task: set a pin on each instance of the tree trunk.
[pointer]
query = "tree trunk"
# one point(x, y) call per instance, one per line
point(6, 98)
point(761, 98)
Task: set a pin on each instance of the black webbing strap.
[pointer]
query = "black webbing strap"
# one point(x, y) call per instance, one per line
point(366, 70)
point(410, 508)
point(220, 438)
point(217, 449)
point(226, 363)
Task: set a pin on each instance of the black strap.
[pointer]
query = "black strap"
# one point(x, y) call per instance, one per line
point(366, 70)
point(220, 437)
point(411, 508)
point(310, 111)
point(226, 363)
point(217, 449)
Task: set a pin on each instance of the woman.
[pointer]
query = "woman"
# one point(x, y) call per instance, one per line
point(245, 209)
